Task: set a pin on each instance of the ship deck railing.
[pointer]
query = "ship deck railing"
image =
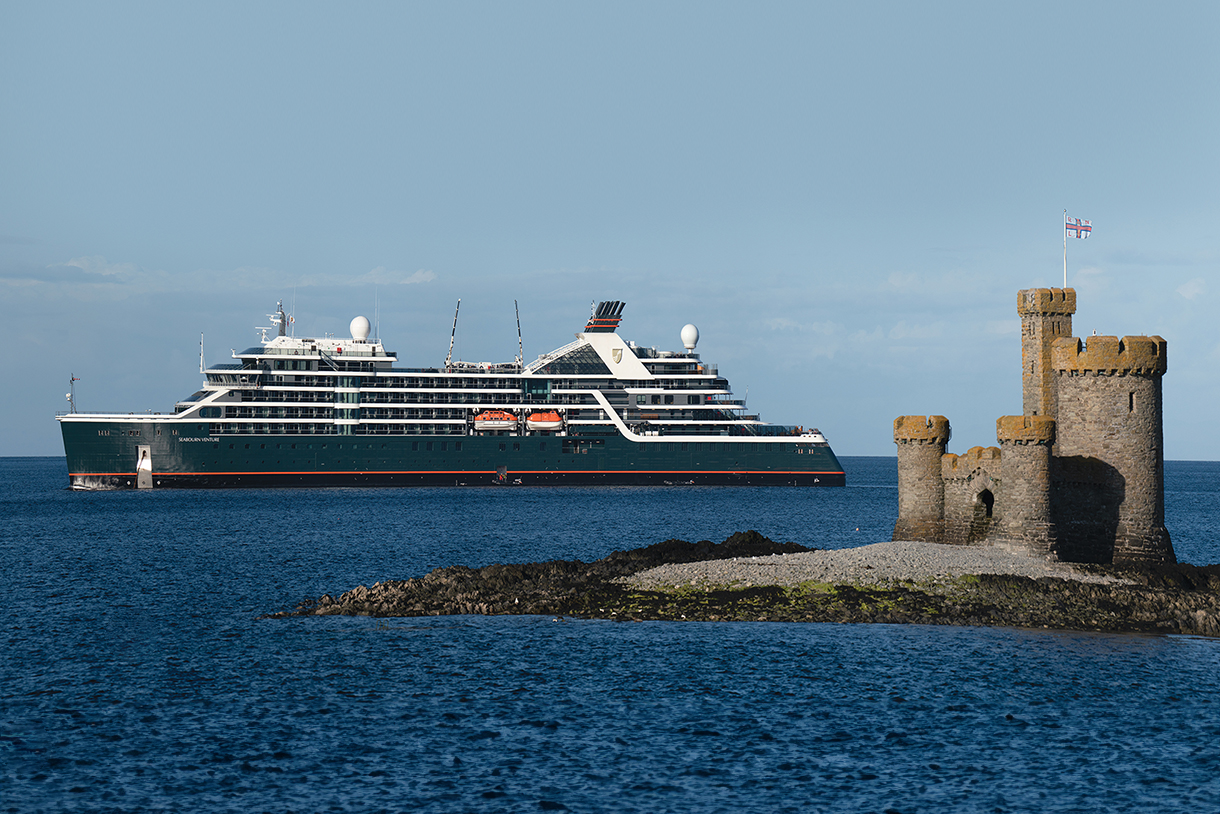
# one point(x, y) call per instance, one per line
point(362, 350)
point(108, 414)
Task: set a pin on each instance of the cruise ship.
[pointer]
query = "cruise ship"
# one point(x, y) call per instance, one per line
point(340, 412)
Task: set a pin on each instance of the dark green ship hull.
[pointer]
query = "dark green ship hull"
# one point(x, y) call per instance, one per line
point(104, 454)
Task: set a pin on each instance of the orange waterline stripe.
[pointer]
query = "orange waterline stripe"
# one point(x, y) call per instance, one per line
point(470, 472)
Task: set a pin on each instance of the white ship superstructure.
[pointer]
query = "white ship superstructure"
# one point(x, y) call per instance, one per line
point(597, 387)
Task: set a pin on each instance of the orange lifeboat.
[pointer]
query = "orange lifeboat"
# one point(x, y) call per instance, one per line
point(547, 421)
point(495, 420)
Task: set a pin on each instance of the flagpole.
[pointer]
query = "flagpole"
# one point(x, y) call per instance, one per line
point(1065, 250)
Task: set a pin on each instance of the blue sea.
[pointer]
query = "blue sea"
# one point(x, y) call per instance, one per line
point(136, 674)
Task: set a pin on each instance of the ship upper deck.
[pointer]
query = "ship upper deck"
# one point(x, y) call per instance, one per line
point(352, 385)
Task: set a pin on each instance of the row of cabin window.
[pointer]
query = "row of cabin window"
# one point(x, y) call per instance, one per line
point(457, 446)
point(306, 428)
point(510, 384)
point(714, 446)
point(135, 433)
point(568, 446)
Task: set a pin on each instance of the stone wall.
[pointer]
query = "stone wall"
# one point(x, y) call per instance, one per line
point(1086, 495)
point(972, 482)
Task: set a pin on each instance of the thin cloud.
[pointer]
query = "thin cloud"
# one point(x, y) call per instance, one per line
point(1133, 257)
point(863, 337)
point(382, 276)
point(903, 280)
point(1003, 327)
point(905, 330)
point(32, 276)
point(1192, 289)
point(96, 273)
point(76, 275)
point(1090, 279)
point(788, 324)
point(100, 266)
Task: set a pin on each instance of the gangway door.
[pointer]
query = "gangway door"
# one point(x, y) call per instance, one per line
point(144, 467)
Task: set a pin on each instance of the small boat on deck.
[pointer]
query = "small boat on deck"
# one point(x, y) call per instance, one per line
point(491, 420)
point(546, 421)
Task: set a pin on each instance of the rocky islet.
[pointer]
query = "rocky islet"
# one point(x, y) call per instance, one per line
point(749, 577)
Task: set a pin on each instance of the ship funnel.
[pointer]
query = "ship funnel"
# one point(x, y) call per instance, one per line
point(605, 317)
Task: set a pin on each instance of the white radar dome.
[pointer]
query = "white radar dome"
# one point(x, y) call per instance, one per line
point(360, 329)
point(690, 337)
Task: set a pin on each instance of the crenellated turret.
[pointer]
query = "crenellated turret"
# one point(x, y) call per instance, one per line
point(1109, 355)
point(1027, 522)
point(921, 442)
point(1109, 393)
point(1046, 315)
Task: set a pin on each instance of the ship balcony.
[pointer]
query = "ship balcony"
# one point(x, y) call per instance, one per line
point(769, 430)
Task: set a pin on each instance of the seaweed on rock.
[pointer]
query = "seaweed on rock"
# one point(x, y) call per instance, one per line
point(1164, 598)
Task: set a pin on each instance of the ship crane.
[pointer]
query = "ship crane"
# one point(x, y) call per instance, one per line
point(453, 334)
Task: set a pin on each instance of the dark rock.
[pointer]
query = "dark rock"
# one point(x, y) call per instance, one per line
point(1160, 598)
point(527, 588)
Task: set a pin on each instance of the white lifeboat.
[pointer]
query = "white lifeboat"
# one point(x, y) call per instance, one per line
point(495, 420)
point(546, 421)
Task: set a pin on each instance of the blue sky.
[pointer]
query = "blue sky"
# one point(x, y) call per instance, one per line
point(845, 198)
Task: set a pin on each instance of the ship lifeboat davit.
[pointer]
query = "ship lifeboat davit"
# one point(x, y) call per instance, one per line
point(495, 420)
point(548, 421)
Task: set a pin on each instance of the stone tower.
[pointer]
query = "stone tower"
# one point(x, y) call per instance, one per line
point(921, 443)
point(1109, 394)
point(1027, 520)
point(1046, 315)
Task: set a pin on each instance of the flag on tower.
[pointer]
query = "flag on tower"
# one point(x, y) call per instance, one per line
point(1075, 227)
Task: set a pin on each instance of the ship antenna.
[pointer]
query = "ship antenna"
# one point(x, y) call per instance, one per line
point(201, 351)
point(449, 358)
point(72, 392)
point(277, 319)
point(520, 346)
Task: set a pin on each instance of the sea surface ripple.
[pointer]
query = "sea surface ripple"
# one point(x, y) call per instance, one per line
point(137, 676)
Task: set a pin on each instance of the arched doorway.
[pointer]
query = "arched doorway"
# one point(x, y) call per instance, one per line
point(982, 517)
point(987, 501)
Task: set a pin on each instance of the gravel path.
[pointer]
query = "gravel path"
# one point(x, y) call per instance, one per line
point(881, 562)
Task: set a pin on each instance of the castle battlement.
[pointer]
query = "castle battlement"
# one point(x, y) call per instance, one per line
point(1109, 355)
point(1078, 476)
point(1025, 429)
point(918, 429)
point(957, 467)
point(1045, 301)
